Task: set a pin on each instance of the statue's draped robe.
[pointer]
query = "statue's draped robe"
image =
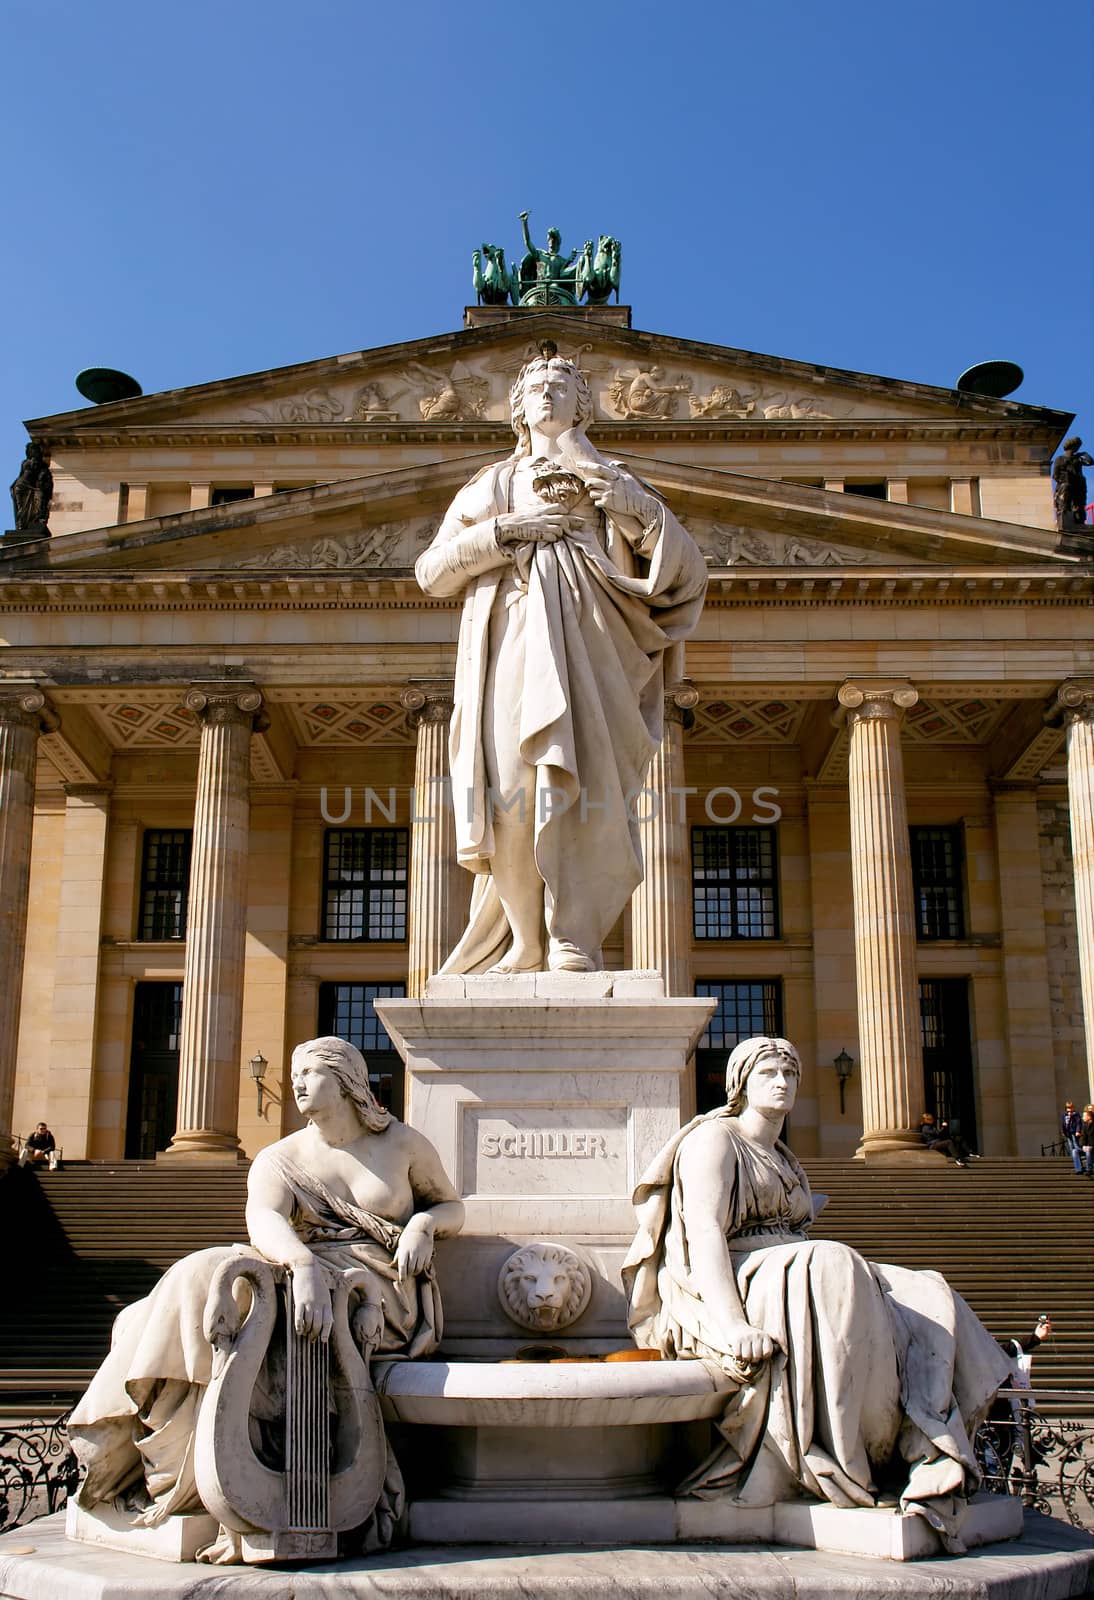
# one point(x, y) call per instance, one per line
point(137, 1419)
point(597, 613)
point(875, 1363)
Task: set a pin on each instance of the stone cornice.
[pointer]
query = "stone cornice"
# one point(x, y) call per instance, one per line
point(498, 435)
point(745, 586)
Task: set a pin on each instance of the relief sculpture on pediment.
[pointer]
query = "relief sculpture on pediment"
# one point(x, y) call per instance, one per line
point(316, 405)
point(736, 546)
point(723, 403)
point(644, 393)
point(387, 546)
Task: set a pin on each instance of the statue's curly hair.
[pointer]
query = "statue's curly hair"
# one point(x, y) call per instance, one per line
point(745, 1056)
point(346, 1063)
point(516, 396)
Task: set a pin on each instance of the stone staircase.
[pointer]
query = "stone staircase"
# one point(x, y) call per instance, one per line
point(1016, 1237)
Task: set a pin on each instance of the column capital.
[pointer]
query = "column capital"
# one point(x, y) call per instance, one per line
point(224, 702)
point(25, 705)
point(680, 702)
point(875, 699)
point(1074, 702)
point(427, 702)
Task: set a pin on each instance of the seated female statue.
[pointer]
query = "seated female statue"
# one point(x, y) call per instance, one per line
point(355, 1188)
point(858, 1382)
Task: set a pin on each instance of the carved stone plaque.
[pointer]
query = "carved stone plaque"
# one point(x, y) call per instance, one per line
point(546, 1151)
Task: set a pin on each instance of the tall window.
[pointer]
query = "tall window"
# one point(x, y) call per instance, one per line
point(364, 883)
point(165, 883)
point(228, 495)
point(346, 1010)
point(745, 1007)
point(936, 875)
point(734, 883)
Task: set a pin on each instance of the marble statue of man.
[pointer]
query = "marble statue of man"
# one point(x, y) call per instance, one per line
point(577, 582)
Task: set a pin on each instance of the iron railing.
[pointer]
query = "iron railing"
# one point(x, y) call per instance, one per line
point(38, 1470)
point(1047, 1461)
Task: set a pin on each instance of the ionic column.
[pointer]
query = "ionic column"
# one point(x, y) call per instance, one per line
point(212, 992)
point(661, 905)
point(430, 911)
point(885, 944)
point(23, 716)
point(1075, 703)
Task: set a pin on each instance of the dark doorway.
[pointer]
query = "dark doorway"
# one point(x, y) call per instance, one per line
point(948, 1088)
point(153, 1070)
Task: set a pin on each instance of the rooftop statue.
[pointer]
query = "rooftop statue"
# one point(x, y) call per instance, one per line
point(857, 1381)
point(32, 492)
point(1069, 485)
point(577, 582)
point(191, 1410)
point(547, 277)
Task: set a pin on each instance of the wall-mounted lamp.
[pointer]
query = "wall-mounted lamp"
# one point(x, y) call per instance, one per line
point(843, 1064)
point(258, 1065)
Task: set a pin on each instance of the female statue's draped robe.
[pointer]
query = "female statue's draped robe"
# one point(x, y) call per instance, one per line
point(873, 1362)
point(597, 612)
point(138, 1416)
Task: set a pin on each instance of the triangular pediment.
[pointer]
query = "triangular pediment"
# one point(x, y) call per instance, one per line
point(380, 523)
point(638, 379)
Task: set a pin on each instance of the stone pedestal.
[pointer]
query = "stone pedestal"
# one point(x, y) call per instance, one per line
point(212, 988)
point(546, 1093)
point(22, 710)
point(885, 942)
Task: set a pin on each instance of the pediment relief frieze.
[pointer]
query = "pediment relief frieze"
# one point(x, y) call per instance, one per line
point(380, 547)
point(474, 387)
point(732, 545)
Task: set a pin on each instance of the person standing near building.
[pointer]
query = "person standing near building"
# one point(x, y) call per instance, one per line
point(1070, 1123)
point(1086, 1142)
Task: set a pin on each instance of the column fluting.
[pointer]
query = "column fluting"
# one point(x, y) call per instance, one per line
point(661, 905)
point(212, 993)
point(430, 909)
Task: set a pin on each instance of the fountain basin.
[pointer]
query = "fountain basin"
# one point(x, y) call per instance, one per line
point(532, 1394)
point(494, 1432)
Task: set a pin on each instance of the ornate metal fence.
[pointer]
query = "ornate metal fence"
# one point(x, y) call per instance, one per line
point(1047, 1460)
point(38, 1471)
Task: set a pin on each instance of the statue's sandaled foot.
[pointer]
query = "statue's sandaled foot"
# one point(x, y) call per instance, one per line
point(516, 961)
point(226, 1549)
point(565, 956)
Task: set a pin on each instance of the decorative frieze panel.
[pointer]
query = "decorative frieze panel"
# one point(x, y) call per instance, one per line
point(971, 721)
point(729, 545)
point(348, 722)
point(147, 721)
point(387, 545)
point(626, 386)
point(747, 722)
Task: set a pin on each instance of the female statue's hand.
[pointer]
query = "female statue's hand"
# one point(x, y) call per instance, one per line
point(747, 1348)
point(312, 1316)
point(415, 1250)
point(523, 527)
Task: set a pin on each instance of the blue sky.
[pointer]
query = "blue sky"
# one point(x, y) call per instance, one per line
point(203, 189)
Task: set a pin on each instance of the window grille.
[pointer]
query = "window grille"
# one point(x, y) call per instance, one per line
point(734, 878)
point(365, 884)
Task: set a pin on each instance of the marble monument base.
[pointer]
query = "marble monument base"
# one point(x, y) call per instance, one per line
point(801, 1524)
point(547, 1093)
point(1051, 1560)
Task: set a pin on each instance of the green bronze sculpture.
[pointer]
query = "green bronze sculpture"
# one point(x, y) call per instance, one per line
point(547, 277)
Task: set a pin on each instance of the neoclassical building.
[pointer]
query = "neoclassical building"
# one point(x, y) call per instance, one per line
point(223, 710)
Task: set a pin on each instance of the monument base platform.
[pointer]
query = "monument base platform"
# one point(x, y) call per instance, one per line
point(1051, 1560)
